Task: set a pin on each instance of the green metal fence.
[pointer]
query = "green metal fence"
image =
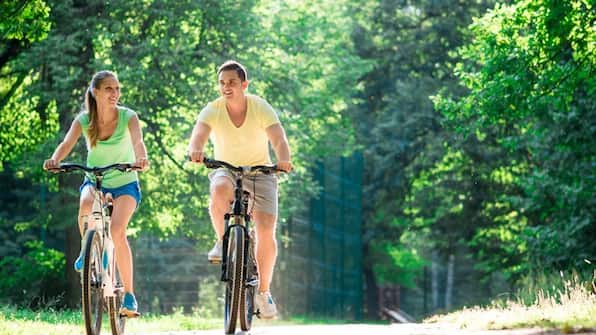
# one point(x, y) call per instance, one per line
point(320, 269)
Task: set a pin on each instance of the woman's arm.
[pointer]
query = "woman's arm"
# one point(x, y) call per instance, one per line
point(136, 135)
point(65, 147)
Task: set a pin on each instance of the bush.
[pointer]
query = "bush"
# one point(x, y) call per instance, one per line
point(34, 280)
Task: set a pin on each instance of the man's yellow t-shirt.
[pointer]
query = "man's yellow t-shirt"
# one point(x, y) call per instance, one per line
point(246, 145)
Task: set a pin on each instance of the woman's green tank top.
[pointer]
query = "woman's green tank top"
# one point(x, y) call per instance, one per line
point(117, 148)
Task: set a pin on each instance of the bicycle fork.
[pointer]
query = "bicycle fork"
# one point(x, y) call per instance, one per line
point(224, 261)
point(108, 263)
point(101, 224)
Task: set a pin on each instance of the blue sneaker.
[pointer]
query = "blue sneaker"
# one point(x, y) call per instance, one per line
point(78, 264)
point(105, 259)
point(129, 306)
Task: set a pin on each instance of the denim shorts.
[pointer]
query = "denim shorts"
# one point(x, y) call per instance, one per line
point(133, 189)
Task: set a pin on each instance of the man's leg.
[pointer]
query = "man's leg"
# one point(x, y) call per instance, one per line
point(266, 247)
point(266, 254)
point(222, 194)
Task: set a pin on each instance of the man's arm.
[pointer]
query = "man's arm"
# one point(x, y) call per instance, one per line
point(279, 142)
point(200, 135)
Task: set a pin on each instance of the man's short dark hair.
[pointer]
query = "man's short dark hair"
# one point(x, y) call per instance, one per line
point(233, 65)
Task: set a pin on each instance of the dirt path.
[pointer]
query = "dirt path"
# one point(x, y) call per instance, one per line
point(362, 329)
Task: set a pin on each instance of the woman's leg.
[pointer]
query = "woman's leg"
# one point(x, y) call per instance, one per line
point(124, 207)
point(85, 207)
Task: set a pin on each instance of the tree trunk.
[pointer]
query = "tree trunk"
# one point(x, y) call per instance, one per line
point(371, 300)
point(434, 280)
point(449, 285)
point(71, 252)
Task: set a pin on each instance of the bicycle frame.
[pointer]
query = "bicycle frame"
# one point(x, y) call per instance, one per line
point(240, 218)
point(101, 216)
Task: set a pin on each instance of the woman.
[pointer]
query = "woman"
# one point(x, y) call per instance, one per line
point(113, 135)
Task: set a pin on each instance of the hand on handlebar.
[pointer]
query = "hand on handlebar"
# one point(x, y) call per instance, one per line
point(51, 165)
point(142, 164)
point(196, 156)
point(285, 166)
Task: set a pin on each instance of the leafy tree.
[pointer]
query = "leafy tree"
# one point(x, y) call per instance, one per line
point(22, 23)
point(530, 75)
point(409, 43)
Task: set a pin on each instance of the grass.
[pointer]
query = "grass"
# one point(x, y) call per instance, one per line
point(15, 321)
point(569, 308)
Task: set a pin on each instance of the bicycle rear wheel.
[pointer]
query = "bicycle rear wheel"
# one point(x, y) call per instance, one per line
point(234, 284)
point(92, 298)
point(247, 295)
point(117, 321)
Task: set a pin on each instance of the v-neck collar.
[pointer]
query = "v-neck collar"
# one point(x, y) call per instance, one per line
point(115, 128)
point(229, 117)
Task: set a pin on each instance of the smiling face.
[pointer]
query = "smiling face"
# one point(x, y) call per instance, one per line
point(230, 85)
point(108, 92)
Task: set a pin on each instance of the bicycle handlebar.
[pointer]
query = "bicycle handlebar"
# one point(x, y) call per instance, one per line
point(214, 164)
point(69, 167)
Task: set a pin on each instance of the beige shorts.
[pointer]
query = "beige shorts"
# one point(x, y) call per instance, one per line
point(262, 189)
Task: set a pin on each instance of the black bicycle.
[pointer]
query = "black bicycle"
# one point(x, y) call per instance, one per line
point(238, 264)
point(100, 280)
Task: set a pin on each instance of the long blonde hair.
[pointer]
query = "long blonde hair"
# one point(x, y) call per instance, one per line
point(91, 105)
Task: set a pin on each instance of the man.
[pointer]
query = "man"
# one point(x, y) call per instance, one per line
point(241, 127)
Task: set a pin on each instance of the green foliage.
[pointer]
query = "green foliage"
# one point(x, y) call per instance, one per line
point(530, 72)
point(24, 20)
point(409, 45)
point(396, 265)
point(22, 23)
point(33, 280)
point(310, 92)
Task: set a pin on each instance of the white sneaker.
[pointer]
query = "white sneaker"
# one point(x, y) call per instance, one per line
point(265, 306)
point(214, 256)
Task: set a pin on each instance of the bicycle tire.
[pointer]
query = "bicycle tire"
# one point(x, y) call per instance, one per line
point(247, 295)
point(117, 321)
point(92, 295)
point(234, 284)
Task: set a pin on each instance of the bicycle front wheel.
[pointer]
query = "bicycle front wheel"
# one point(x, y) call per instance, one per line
point(117, 321)
point(92, 298)
point(234, 284)
point(247, 294)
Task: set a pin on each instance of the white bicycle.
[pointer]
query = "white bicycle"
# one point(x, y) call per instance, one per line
point(100, 280)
